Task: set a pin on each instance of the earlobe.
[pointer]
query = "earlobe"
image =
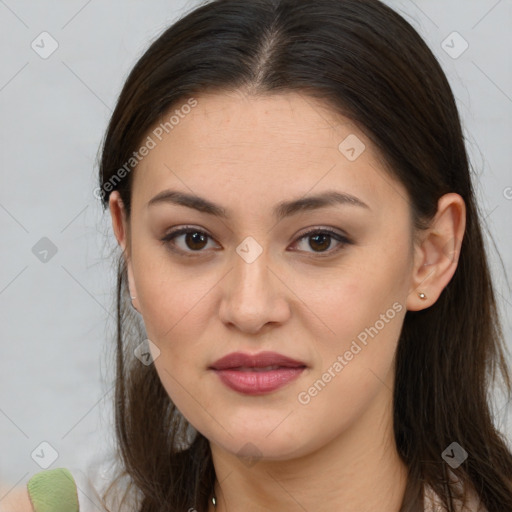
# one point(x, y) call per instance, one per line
point(436, 256)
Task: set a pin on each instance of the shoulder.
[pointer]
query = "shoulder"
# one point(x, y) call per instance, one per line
point(15, 500)
point(472, 502)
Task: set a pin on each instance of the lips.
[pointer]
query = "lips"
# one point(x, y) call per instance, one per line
point(264, 361)
point(257, 374)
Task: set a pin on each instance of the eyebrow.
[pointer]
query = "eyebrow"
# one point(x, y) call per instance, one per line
point(280, 211)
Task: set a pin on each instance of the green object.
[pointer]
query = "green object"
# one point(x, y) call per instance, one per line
point(53, 490)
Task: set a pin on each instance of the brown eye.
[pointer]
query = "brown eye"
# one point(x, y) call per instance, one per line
point(194, 240)
point(321, 240)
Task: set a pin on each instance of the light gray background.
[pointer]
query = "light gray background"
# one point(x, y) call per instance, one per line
point(56, 324)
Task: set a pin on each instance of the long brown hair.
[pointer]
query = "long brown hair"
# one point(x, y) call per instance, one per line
point(367, 63)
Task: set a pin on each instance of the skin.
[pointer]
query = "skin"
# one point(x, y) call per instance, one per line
point(247, 153)
point(14, 500)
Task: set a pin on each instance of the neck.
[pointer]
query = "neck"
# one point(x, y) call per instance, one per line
point(357, 471)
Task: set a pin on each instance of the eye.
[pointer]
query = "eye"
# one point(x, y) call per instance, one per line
point(321, 240)
point(196, 240)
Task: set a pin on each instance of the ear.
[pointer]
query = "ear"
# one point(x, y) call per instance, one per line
point(121, 229)
point(436, 254)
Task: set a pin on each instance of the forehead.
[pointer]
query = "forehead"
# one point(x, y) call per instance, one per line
point(235, 125)
point(247, 148)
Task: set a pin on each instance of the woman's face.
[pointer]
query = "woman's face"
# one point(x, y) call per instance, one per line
point(250, 281)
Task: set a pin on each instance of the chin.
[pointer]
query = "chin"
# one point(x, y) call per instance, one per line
point(256, 444)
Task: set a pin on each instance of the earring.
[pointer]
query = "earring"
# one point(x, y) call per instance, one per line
point(132, 297)
point(422, 296)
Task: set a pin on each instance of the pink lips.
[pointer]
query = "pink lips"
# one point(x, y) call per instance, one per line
point(257, 374)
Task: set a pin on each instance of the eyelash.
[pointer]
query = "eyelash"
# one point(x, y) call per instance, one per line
point(168, 240)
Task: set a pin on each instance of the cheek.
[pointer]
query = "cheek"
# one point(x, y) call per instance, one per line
point(365, 317)
point(355, 295)
point(174, 303)
point(169, 294)
point(363, 306)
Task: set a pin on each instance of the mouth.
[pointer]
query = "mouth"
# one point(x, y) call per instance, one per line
point(257, 374)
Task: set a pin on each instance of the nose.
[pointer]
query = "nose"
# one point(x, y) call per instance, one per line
point(253, 295)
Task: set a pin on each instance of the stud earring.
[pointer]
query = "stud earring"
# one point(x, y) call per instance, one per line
point(422, 296)
point(132, 297)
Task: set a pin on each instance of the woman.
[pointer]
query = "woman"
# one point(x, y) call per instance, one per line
point(306, 319)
